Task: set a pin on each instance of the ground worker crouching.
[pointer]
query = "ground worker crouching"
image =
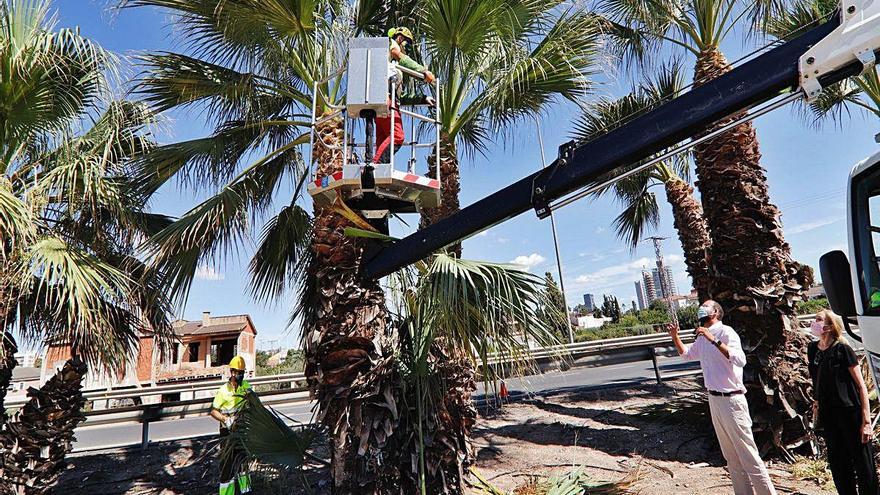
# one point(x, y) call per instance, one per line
point(234, 479)
point(400, 39)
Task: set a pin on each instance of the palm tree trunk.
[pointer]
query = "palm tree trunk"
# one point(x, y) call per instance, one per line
point(34, 443)
point(450, 187)
point(450, 453)
point(349, 347)
point(753, 275)
point(7, 364)
point(687, 213)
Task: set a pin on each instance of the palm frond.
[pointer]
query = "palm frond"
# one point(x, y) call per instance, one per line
point(479, 308)
point(278, 263)
point(218, 224)
point(266, 436)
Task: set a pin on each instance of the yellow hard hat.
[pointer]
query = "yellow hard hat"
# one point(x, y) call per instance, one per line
point(237, 363)
point(403, 31)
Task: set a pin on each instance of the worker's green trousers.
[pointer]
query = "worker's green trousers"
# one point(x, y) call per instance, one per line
point(233, 480)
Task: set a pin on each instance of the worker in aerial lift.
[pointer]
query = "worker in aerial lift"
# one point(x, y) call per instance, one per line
point(228, 401)
point(401, 38)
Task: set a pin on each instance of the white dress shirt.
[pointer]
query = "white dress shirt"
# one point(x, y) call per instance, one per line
point(719, 373)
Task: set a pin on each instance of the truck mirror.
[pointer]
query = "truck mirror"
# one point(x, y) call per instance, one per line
point(837, 279)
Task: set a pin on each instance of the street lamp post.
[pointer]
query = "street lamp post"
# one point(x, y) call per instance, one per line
point(555, 240)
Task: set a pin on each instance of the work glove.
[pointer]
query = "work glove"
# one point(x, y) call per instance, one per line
point(228, 422)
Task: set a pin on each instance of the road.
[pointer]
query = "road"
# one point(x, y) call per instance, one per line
point(106, 436)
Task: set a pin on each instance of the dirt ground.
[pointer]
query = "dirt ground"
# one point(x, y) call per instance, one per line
point(663, 432)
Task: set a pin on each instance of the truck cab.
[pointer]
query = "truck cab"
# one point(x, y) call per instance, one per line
point(852, 283)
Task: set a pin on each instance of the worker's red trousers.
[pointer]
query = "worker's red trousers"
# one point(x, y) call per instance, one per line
point(383, 135)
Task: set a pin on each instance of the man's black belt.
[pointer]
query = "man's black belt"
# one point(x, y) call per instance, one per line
point(725, 394)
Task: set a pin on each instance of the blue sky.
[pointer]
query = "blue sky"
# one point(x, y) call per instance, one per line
point(806, 169)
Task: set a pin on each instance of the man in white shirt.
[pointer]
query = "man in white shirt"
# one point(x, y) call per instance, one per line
point(721, 357)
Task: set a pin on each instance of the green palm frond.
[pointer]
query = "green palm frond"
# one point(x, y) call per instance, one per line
point(266, 436)
point(279, 260)
point(559, 66)
point(58, 75)
point(479, 308)
point(218, 224)
point(640, 209)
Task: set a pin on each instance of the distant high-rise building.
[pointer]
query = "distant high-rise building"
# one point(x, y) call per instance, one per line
point(669, 280)
point(649, 287)
point(641, 298)
point(589, 302)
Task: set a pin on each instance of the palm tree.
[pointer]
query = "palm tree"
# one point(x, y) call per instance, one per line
point(640, 209)
point(751, 271)
point(252, 66)
point(71, 219)
point(860, 93)
point(472, 309)
point(500, 63)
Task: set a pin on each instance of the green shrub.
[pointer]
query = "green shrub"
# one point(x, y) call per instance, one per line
point(812, 306)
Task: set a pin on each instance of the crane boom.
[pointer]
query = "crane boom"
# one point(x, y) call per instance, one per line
point(756, 81)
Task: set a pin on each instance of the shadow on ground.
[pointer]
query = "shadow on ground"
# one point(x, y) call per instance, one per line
point(186, 467)
point(656, 422)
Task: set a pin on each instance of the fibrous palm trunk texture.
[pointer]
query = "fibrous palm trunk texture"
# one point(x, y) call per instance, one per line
point(35, 441)
point(349, 348)
point(7, 364)
point(753, 276)
point(687, 214)
point(450, 187)
point(449, 454)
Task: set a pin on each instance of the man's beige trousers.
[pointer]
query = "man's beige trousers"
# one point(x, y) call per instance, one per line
point(733, 425)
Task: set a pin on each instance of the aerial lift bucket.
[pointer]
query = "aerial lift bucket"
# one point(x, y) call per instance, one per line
point(376, 190)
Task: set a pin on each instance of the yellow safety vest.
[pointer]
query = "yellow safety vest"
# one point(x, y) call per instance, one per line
point(229, 401)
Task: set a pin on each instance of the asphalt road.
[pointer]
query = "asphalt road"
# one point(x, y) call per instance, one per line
point(106, 436)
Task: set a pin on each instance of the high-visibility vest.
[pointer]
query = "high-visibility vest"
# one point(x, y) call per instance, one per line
point(229, 401)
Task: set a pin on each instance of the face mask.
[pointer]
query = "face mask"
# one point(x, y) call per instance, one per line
point(817, 329)
point(238, 377)
point(703, 314)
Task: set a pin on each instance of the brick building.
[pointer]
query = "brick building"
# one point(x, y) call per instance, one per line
point(202, 351)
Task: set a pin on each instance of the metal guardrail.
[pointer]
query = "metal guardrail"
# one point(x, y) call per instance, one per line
point(138, 392)
point(626, 349)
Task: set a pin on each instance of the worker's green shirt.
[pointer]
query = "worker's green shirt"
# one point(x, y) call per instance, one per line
point(407, 97)
point(229, 401)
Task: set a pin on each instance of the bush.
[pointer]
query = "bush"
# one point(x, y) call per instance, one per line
point(812, 306)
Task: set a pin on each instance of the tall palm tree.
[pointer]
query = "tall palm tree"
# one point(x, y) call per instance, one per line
point(860, 93)
point(640, 208)
point(500, 63)
point(71, 220)
point(251, 66)
point(751, 271)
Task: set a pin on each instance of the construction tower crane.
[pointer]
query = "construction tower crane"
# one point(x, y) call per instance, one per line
point(844, 46)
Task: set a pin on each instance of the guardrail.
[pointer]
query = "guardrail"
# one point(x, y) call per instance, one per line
point(297, 379)
point(613, 351)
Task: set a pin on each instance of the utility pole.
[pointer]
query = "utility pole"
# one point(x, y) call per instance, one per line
point(665, 289)
point(555, 240)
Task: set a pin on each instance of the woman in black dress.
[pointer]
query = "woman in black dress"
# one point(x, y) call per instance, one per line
point(841, 406)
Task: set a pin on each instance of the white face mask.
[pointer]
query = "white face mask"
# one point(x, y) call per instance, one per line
point(817, 328)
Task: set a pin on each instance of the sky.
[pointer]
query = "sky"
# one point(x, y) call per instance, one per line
point(807, 171)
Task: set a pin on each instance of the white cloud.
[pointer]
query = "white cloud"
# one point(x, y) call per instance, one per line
point(806, 227)
point(205, 272)
point(483, 233)
point(529, 261)
point(502, 240)
point(614, 274)
point(600, 229)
